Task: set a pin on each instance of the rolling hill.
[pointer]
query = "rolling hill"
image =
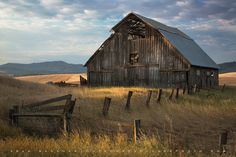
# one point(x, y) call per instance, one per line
point(55, 67)
point(227, 67)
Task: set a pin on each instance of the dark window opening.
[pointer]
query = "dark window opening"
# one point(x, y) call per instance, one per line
point(133, 58)
point(135, 28)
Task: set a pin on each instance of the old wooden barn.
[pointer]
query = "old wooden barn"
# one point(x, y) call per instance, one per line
point(144, 52)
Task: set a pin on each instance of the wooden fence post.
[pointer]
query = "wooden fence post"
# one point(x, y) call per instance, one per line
point(184, 89)
point(223, 141)
point(148, 98)
point(177, 93)
point(223, 88)
point(106, 106)
point(171, 94)
point(159, 95)
point(127, 106)
point(137, 130)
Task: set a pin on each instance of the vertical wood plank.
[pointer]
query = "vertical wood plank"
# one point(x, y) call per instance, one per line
point(195, 88)
point(184, 89)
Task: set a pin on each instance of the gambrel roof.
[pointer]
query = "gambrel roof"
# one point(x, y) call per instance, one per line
point(186, 46)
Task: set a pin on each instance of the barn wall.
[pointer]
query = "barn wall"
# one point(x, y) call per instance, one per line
point(204, 77)
point(159, 63)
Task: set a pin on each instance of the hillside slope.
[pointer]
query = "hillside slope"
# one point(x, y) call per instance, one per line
point(55, 67)
point(227, 67)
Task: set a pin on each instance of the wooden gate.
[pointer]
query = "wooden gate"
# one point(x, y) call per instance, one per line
point(42, 118)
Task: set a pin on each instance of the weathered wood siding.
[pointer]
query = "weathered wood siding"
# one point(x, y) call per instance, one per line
point(204, 77)
point(159, 63)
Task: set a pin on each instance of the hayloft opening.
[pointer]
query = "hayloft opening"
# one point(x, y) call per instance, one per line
point(136, 28)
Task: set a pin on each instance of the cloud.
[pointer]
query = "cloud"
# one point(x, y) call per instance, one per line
point(54, 28)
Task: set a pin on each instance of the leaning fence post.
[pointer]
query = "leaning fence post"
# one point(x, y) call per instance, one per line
point(177, 93)
point(223, 141)
point(171, 94)
point(106, 106)
point(159, 95)
point(137, 130)
point(148, 98)
point(127, 106)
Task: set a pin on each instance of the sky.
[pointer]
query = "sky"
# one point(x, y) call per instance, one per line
point(72, 30)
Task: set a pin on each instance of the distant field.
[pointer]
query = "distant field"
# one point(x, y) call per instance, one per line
point(69, 78)
point(228, 78)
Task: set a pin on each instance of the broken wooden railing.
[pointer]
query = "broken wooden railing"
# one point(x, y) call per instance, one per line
point(43, 117)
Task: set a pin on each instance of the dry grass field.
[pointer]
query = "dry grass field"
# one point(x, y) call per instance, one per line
point(192, 122)
point(228, 78)
point(68, 78)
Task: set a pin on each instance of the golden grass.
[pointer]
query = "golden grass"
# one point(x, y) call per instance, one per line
point(191, 122)
point(228, 78)
point(69, 78)
point(83, 145)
